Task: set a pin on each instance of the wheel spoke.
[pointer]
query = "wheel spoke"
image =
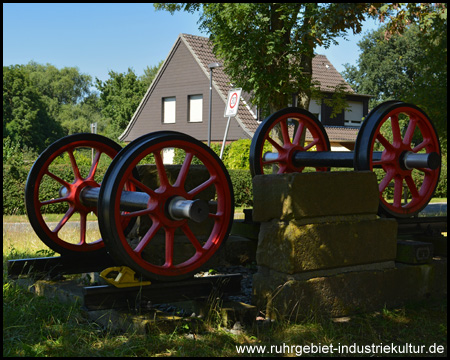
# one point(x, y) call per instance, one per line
point(397, 137)
point(216, 216)
point(148, 236)
point(412, 187)
point(57, 178)
point(285, 132)
point(387, 145)
point(410, 130)
point(181, 179)
point(83, 219)
point(65, 218)
point(398, 191)
point(274, 144)
point(386, 180)
point(201, 187)
point(94, 165)
point(421, 146)
point(53, 201)
point(267, 162)
point(163, 180)
point(133, 214)
point(282, 168)
point(142, 187)
point(311, 144)
point(192, 238)
point(378, 163)
point(298, 134)
point(170, 237)
point(76, 170)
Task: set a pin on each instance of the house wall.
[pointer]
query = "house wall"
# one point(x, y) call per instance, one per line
point(180, 78)
point(358, 103)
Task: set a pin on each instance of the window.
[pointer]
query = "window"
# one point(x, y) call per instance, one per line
point(169, 110)
point(315, 107)
point(353, 116)
point(195, 110)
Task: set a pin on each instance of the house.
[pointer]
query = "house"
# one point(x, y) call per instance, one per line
point(178, 99)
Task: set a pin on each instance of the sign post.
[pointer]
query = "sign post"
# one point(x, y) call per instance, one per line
point(231, 110)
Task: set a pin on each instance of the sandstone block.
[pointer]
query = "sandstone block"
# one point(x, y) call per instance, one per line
point(291, 247)
point(311, 195)
point(349, 293)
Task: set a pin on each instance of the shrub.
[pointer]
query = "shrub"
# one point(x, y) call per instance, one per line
point(242, 187)
point(238, 155)
point(15, 171)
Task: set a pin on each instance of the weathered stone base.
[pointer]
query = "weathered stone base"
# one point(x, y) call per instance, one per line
point(293, 247)
point(312, 195)
point(290, 296)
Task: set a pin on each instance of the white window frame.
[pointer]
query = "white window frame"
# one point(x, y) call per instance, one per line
point(169, 109)
point(195, 110)
point(352, 118)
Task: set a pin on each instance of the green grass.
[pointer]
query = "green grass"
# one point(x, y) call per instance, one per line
point(38, 326)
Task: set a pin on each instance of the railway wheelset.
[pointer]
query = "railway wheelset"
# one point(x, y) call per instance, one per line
point(189, 214)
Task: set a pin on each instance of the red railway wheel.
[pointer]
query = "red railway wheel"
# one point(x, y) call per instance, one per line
point(399, 131)
point(175, 243)
point(55, 186)
point(294, 125)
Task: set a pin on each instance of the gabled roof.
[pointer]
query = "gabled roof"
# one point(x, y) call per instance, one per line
point(201, 49)
point(326, 74)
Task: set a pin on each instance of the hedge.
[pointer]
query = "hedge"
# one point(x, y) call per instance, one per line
point(15, 173)
point(15, 177)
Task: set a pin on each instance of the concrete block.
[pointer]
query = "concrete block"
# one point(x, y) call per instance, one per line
point(292, 247)
point(311, 195)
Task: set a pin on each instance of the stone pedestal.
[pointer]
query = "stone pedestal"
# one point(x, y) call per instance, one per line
point(321, 244)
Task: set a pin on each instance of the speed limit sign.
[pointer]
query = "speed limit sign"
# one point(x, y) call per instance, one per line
point(232, 102)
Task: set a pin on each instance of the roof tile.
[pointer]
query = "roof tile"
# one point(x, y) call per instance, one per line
point(323, 72)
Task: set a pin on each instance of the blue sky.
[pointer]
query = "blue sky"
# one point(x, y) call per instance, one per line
point(97, 38)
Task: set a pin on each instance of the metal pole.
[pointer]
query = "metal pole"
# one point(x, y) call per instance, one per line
point(210, 102)
point(225, 137)
point(211, 67)
point(93, 131)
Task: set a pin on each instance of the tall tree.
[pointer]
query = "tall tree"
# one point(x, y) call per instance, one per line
point(406, 60)
point(67, 95)
point(267, 48)
point(66, 85)
point(120, 96)
point(26, 120)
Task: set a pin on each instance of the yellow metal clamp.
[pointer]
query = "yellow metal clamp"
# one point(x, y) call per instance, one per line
point(124, 278)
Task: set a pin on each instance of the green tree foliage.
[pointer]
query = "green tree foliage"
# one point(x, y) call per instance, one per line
point(26, 116)
point(150, 73)
point(68, 96)
point(267, 48)
point(64, 86)
point(403, 67)
point(42, 103)
point(120, 95)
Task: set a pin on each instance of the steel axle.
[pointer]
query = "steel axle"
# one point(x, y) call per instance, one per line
point(178, 208)
point(408, 160)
